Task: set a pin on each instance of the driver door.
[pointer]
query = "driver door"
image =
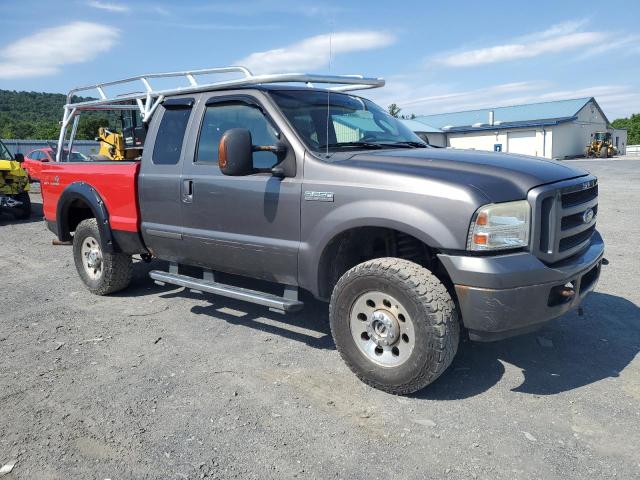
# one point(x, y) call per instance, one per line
point(249, 225)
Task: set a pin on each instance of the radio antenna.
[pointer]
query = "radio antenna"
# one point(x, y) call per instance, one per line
point(329, 95)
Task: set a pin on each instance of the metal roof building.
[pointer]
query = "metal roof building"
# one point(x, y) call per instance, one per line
point(558, 129)
point(430, 134)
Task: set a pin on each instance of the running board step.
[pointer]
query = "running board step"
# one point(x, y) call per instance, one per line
point(238, 293)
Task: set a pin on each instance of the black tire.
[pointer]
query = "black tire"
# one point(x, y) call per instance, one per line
point(587, 152)
point(116, 269)
point(604, 152)
point(23, 212)
point(433, 315)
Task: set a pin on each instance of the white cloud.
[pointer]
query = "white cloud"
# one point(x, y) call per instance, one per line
point(313, 52)
point(44, 52)
point(414, 97)
point(616, 100)
point(110, 7)
point(557, 38)
point(564, 28)
point(623, 45)
point(263, 7)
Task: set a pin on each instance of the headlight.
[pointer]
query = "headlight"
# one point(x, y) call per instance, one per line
point(500, 226)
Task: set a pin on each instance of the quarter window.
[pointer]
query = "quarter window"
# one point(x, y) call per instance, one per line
point(170, 135)
point(225, 116)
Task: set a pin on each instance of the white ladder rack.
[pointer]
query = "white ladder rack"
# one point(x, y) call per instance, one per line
point(148, 100)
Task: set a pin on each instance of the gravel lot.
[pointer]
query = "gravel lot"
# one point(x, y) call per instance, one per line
point(157, 382)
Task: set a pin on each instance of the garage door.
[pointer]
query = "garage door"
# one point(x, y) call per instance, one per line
point(523, 142)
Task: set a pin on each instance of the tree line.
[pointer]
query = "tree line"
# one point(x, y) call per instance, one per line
point(35, 115)
point(632, 124)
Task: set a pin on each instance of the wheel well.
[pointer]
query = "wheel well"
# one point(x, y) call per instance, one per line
point(77, 211)
point(358, 245)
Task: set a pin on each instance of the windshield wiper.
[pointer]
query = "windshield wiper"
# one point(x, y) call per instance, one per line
point(352, 145)
point(406, 144)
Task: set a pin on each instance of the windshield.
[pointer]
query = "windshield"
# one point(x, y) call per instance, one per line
point(354, 121)
point(601, 136)
point(4, 153)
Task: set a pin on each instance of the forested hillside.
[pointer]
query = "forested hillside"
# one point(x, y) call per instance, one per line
point(33, 115)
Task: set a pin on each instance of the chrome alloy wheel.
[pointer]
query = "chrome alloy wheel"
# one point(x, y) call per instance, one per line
point(382, 329)
point(92, 257)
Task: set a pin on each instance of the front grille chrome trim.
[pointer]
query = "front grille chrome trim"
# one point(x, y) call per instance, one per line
point(548, 213)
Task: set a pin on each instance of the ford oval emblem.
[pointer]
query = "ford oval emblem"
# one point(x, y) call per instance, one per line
point(587, 216)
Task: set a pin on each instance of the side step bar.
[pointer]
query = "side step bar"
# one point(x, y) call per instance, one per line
point(285, 304)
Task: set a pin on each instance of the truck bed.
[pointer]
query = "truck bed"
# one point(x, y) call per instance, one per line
point(115, 182)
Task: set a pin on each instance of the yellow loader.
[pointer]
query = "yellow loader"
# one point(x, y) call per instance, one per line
point(14, 185)
point(601, 146)
point(126, 145)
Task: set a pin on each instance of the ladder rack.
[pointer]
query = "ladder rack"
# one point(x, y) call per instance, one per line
point(148, 100)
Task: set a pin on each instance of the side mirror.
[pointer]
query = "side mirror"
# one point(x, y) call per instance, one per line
point(235, 152)
point(19, 157)
point(235, 155)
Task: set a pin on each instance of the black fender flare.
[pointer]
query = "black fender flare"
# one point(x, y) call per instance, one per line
point(85, 192)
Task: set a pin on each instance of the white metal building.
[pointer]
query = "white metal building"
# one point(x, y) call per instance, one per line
point(559, 129)
point(432, 135)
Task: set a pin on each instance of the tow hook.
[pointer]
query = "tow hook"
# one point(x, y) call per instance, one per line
point(568, 291)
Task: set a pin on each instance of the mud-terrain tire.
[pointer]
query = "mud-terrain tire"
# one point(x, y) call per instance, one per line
point(102, 272)
point(22, 212)
point(406, 308)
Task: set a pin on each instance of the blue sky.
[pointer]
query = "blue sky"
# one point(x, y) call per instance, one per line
point(436, 56)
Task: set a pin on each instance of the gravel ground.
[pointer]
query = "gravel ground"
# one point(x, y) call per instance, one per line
point(157, 382)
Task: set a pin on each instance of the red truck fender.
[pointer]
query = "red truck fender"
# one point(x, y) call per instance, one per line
point(78, 202)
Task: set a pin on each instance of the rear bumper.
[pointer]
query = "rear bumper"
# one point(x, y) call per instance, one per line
point(502, 296)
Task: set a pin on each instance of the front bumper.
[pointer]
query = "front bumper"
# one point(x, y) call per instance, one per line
point(505, 295)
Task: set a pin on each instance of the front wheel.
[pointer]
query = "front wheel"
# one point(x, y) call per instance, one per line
point(101, 272)
point(23, 212)
point(394, 324)
point(604, 152)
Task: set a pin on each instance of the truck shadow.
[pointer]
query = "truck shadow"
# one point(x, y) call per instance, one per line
point(310, 326)
point(569, 353)
point(572, 352)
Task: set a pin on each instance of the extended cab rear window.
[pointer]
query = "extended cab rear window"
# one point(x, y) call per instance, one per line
point(168, 144)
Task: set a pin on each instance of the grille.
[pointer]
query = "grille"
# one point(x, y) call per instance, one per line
point(563, 225)
point(577, 198)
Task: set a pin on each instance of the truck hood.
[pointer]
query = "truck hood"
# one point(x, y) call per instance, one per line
point(500, 177)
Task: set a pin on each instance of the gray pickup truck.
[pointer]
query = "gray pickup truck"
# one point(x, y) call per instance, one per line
point(322, 190)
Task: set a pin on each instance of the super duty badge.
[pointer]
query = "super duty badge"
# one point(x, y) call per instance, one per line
point(318, 196)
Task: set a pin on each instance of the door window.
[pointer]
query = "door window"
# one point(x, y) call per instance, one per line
point(222, 117)
point(168, 144)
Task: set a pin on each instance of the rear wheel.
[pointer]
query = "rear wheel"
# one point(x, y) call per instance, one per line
point(23, 211)
point(394, 324)
point(101, 272)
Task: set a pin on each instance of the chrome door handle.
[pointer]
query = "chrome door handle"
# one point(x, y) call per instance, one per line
point(187, 191)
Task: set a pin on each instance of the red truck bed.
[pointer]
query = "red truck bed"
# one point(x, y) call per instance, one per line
point(115, 182)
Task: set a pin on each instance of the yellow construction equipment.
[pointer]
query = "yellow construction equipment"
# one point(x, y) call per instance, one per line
point(127, 145)
point(14, 185)
point(112, 146)
point(601, 146)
